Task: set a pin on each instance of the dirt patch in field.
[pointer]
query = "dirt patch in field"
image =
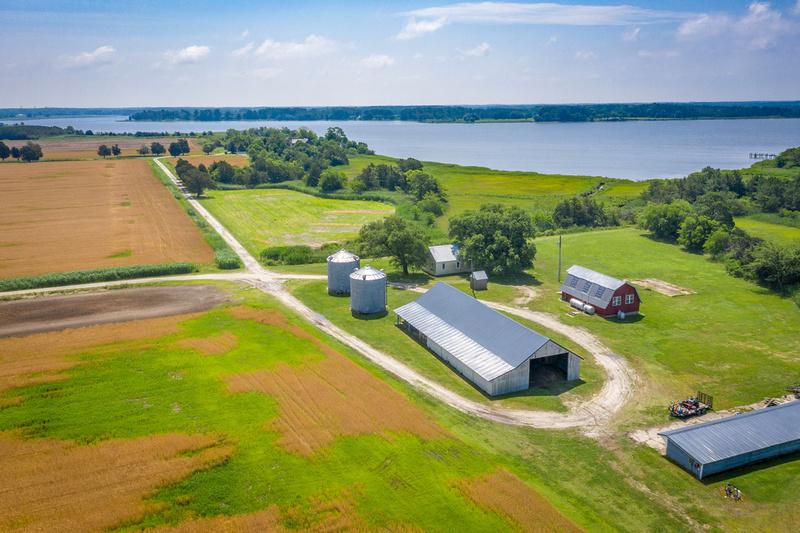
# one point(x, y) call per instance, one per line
point(76, 215)
point(322, 401)
point(525, 295)
point(43, 357)
point(86, 147)
point(37, 315)
point(239, 161)
point(214, 345)
point(267, 520)
point(506, 495)
point(55, 485)
point(662, 287)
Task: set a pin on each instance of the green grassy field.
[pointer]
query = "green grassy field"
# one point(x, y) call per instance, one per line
point(765, 226)
point(470, 187)
point(275, 217)
point(383, 480)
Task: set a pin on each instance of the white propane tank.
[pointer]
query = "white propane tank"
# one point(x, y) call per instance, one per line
point(621, 315)
point(588, 309)
point(577, 304)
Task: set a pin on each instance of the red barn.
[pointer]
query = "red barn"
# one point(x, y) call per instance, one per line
point(607, 295)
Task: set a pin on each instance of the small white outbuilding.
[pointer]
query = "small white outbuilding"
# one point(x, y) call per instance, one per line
point(444, 260)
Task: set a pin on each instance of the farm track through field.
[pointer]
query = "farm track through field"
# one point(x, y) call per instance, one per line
point(591, 416)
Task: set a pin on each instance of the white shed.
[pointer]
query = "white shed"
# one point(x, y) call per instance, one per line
point(444, 260)
point(497, 354)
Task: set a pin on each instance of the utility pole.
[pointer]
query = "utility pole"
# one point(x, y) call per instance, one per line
point(559, 259)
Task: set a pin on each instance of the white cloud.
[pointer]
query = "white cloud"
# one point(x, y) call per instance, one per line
point(190, 54)
point(311, 46)
point(585, 55)
point(245, 34)
point(430, 19)
point(551, 41)
point(99, 56)
point(244, 50)
point(479, 51)
point(796, 8)
point(758, 29)
point(377, 61)
point(415, 28)
point(266, 73)
point(658, 54)
point(632, 35)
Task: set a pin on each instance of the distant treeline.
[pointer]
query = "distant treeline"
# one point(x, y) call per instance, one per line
point(20, 132)
point(538, 113)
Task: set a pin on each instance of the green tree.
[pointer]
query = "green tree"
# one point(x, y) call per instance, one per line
point(208, 148)
point(718, 243)
point(5, 151)
point(495, 238)
point(195, 181)
point(157, 148)
point(223, 171)
point(420, 184)
point(175, 149)
point(695, 231)
point(664, 220)
point(331, 180)
point(721, 206)
point(103, 151)
point(143, 149)
point(405, 243)
point(31, 152)
point(407, 165)
point(15, 153)
point(116, 150)
point(775, 265)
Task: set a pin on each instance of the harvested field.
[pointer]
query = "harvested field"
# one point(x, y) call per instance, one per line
point(505, 494)
point(43, 357)
point(322, 401)
point(214, 345)
point(662, 287)
point(85, 147)
point(55, 485)
point(37, 315)
point(66, 216)
point(267, 520)
point(235, 160)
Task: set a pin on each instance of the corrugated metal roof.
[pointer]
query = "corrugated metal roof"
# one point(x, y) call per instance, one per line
point(590, 286)
point(479, 275)
point(486, 341)
point(444, 253)
point(739, 434)
point(342, 256)
point(368, 272)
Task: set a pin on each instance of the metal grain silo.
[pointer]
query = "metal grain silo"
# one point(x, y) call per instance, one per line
point(368, 291)
point(340, 266)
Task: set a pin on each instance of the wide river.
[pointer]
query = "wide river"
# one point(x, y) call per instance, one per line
point(632, 150)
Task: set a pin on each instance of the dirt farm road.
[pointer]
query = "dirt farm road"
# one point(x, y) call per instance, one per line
point(591, 416)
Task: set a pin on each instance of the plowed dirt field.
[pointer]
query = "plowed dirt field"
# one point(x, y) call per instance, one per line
point(76, 215)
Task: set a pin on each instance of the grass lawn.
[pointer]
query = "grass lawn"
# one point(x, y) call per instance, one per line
point(732, 338)
point(768, 227)
point(180, 383)
point(470, 187)
point(384, 335)
point(273, 217)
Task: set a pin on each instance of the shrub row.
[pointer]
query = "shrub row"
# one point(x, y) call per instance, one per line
point(297, 255)
point(96, 275)
point(299, 187)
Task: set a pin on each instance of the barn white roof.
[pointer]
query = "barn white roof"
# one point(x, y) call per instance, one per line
point(488, 342)
point(444, 253)
point(590, 286)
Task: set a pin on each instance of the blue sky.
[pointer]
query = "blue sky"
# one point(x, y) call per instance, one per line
point(248, 53)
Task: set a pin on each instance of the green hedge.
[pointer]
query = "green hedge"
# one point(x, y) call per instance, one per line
point(301, 187)
point(96, 275)
point(297, 255)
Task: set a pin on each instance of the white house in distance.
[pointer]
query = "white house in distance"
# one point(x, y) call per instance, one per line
point(443, 260)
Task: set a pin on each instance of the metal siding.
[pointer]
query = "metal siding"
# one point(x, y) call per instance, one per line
point(368, 291)
point(487, 341)
point(516, 380)
point(460, 367)
point(682, 459)
point(739, 434)
point(444, 253)
point(573, 367)
point(339, 271)
point(750, 458)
